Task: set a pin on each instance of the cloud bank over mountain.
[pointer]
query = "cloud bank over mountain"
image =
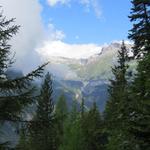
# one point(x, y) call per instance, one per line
point(58, 48)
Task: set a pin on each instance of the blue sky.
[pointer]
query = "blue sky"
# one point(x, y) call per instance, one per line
point(80, 23)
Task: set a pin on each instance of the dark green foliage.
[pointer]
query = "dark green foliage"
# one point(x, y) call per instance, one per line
point(17, 93)
point(4, 146)
point(92, 128)
point(23, 143)
point(127, 113)
point(83, 130)
point(139, 111)
point(41, 131)
point(73, 136)
point(116, 113)
point(117, 89)
point(61, 114)
point(82, 108)
point(140, 105)
point(140, 33)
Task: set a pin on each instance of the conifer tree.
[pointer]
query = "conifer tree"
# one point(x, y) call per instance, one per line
point(41, 129)
point(117, 87)
point(92, 126)
point(23, 143)
point(73, 137)
point(140, 33)
point(61, 113)
point(140, 89)
point(116, 113)
point(82, 108)
point(140, 105)
point(17, 93)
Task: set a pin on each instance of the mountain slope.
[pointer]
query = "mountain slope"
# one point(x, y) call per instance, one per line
point(86, 77)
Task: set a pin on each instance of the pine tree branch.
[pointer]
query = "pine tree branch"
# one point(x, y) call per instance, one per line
point(23, 82)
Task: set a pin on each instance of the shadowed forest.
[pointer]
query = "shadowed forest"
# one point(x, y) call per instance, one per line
point(125, 122)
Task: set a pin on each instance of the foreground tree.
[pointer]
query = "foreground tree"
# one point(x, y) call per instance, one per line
point(140, 33)
point(140, 105)
point(41, 131)
point(116, 113)
point(17, 93)
point(92, 128)
point(140, 91)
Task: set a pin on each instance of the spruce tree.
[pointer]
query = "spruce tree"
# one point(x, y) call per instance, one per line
point(116, 113)
point(92, 128)
point(140, 89)
point(140, 105)
point(61, 113)
point(41, 130)
point(140, 33)
point(117, 87)
point(16, 93)
point(73, 136)
point(82, 108)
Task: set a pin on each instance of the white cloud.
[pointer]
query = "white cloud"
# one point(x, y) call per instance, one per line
point(27, 14)
point(96, 7)
point(55, 34)
point(77, 37)
point(85, 2)
point(89, 4)
point(55, 2)
point(94, 4)
point(61, 49)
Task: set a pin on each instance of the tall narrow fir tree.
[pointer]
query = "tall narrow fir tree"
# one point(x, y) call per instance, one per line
point(42, 130)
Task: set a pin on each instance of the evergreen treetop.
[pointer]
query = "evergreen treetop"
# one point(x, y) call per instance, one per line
point(116, 111)
point(41, 129)
point(140, 33)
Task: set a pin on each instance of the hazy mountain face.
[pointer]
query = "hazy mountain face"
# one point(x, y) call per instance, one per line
point(85, 77)
point(96, 66)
